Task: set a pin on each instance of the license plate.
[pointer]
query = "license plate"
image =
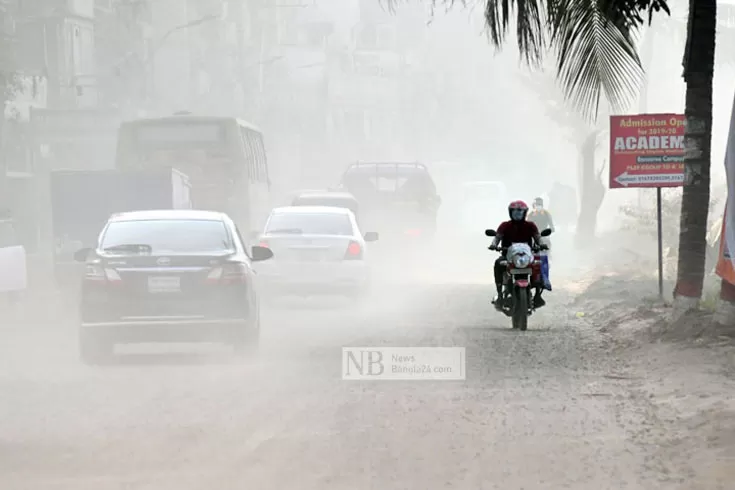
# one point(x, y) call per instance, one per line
point(171, 284)
point(311, 256)
point(520, 271)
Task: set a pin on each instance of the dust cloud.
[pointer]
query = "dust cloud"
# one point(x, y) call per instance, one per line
point(563, 405)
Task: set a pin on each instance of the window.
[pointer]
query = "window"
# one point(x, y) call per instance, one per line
point(310, 224)
point(180, 133)
point(412, 185)
point(262, 163)
point(250, 158)
point(170, 236)
point(242, 244)
point(256, 157)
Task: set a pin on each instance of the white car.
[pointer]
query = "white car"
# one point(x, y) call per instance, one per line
point(317, 249)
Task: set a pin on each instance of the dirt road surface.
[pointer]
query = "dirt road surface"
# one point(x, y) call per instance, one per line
point(559, 406)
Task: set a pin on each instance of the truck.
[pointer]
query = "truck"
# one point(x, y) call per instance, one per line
point(83, 200)
point(397, 199)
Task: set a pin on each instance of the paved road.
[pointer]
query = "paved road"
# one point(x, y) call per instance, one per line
point(543, 409)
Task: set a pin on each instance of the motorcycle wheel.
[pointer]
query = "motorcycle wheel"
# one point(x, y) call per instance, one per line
point(520, 309)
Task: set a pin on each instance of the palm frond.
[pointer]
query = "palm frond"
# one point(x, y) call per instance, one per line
point(530, 20)
point(596, 55)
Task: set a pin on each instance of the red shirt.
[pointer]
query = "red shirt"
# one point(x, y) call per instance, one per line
point(517, 232)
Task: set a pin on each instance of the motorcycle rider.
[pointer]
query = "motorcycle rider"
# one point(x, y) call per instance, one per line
point(516, 230)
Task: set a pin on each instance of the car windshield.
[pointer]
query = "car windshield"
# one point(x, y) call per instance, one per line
point(310, 224)
point(167, 236)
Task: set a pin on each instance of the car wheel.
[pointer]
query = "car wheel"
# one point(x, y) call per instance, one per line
point(94, 349)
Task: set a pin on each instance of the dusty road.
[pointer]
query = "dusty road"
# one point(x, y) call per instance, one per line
point(550, 408)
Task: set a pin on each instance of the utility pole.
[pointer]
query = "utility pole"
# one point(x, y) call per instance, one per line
point(647, 61)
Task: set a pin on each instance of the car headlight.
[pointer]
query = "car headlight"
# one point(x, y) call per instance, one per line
point(521, 261)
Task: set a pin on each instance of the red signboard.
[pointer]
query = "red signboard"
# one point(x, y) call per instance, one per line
point(647, 150)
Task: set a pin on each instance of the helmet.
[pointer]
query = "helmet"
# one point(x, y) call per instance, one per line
point(517, 210)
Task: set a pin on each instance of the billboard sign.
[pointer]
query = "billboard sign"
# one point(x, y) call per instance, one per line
point(647, 150)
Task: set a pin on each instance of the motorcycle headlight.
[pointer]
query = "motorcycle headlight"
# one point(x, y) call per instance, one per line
point(521, 261)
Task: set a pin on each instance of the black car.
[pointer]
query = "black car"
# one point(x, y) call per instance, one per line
point(168, 276)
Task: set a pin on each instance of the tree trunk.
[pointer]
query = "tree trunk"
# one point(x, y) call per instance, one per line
point(593, 192)
point(699, 60)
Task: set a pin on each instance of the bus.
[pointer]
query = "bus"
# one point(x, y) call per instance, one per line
point(224, 158)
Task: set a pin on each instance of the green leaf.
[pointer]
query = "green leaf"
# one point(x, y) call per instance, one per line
point(595, 56)
point(531, 26)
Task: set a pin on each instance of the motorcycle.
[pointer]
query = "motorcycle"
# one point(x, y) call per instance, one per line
point(522, 263)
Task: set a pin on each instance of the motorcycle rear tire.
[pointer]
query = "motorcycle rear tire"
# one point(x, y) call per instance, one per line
point(520, 309)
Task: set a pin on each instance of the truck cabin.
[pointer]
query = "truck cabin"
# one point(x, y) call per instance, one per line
point(386, 184)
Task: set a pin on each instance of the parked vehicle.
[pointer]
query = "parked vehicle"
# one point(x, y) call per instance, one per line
point(83, 200)
point(168, 276)
point(523, 269)
point(318, 249)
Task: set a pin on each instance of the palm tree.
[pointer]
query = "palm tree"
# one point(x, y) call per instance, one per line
point(594, 43)
point(586, 138)
point(699, 63)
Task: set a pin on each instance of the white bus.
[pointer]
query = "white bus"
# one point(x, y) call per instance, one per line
point(224, 158)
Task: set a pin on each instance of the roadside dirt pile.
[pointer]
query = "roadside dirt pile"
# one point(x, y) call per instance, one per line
point(629, 307)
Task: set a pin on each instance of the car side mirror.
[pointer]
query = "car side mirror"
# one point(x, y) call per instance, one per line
point(261, 253)
point(82, 254)
point(371, 236)
point(546, 232)
point(490, 233)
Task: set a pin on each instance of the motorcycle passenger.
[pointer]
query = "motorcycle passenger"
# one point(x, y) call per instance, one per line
point(543, 220)
point(540, 216)
point(516, 230)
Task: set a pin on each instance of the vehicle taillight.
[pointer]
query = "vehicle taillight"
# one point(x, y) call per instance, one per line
point(229, 273)
point(413, 232)
point(354, 251)
point(97, 273)
point(264, 244)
